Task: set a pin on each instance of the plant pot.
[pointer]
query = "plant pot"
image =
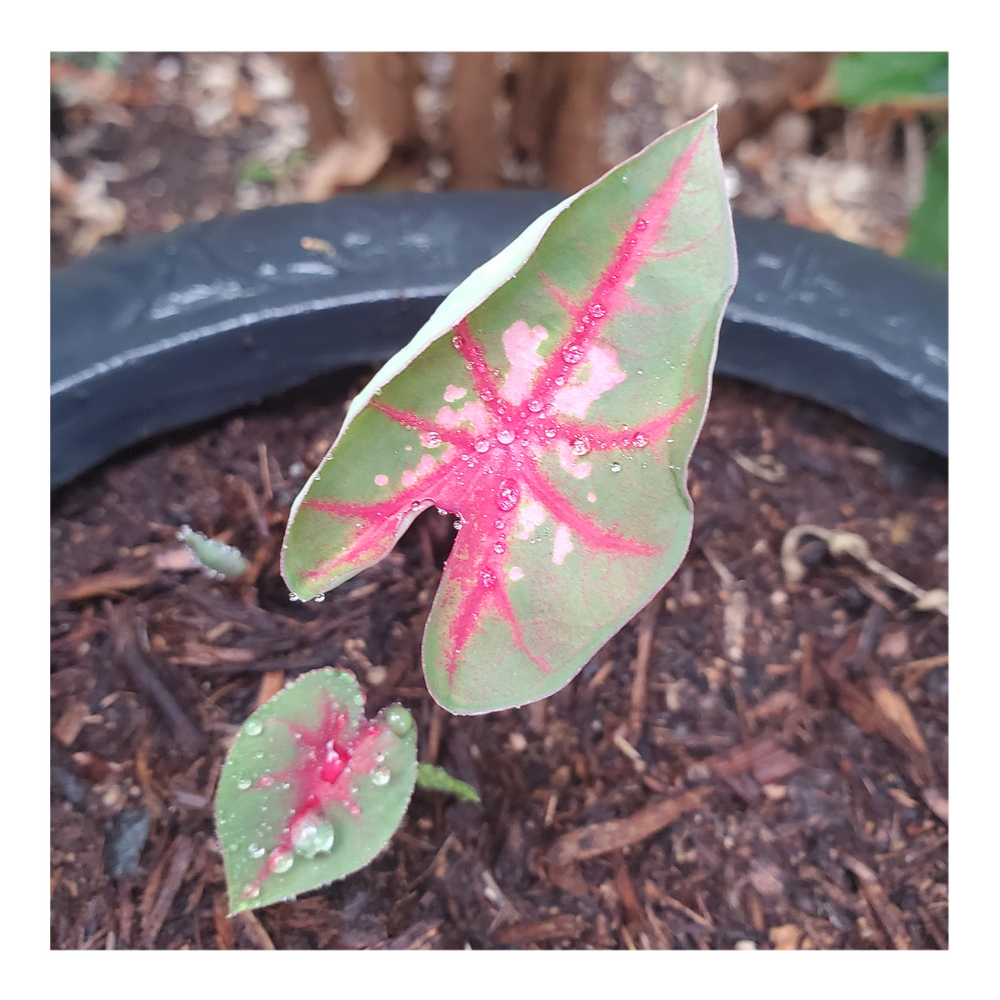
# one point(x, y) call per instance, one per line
point(180, 326)
point(155, 666)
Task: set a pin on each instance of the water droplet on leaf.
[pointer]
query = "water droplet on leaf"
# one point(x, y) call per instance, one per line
point(508, 494)
point(381, 777)
point(399, 720)
point(282, 862)
point(256, 851)
point(499, 548)
point(505, 435)
point(253, 727)
point(482, 445)
point(487, 579)
point(243, 784)
point(432, 440)
point(312, 835)
point(534, 405)
point(580, 446)
point(616, 467)
point(572, 353)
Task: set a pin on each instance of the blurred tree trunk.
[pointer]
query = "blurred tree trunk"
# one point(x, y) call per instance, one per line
point(560, 103)
point(473, 142)
point(383, 85)
point(314, 89)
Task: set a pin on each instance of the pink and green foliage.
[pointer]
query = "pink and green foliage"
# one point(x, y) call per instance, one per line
point(311, 790)
point(551, 404)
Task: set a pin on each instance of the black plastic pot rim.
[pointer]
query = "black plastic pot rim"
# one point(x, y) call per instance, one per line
point(177, 327)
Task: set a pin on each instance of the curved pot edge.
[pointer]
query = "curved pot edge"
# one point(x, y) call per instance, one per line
point(178, 327)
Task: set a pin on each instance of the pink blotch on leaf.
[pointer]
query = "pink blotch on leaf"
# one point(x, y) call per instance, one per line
point(567, 459)
point(604, 374)
point(532, 515)
point(381, 480)
point(473, 413)
point(516, 573)
point(453, 392)
point(520, 343)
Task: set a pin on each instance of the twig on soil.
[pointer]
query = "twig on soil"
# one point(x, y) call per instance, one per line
point(841, 543)
point(190, 740)
point(256, 930)
point(599, 838)
point(886, 911)
point(180, 861)
point(640, 668)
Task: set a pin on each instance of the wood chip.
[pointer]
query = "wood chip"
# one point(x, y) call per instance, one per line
point(270, 684)
point(566, 926)
point(183, 852)
point(101, 585)
point(599, 838)
point(71, 722)
point(786, 937)
point(887, 912)
point(199, 654)
point(256, 929)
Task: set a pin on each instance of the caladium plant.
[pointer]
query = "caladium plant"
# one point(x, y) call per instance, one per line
point(311, 790)
point(551, 403)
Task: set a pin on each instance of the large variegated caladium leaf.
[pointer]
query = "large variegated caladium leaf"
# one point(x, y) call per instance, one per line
point(311, 790)
point(551, 403)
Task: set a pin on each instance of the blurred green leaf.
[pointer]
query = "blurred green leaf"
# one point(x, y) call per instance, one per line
point(256, 171)
point(867, 78)
point(437, 779)
point(928, 241)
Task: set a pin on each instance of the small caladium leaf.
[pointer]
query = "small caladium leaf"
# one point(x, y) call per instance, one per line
point(311, 790)
point(551, 402)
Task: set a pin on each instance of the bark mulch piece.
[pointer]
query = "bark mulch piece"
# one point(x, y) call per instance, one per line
point(748, 763)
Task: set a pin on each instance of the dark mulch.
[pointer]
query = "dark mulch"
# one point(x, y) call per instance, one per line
point(796, 733)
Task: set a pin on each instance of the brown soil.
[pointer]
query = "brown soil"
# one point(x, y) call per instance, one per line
point(800, 748)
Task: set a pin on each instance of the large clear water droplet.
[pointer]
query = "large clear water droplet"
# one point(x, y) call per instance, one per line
point(640, 440)
point(505, 435)
point(499, 548)
point(534, 405)
point(381, 777)
point(487, 579)
point(433, 439)
point(319, 598)
point(580, 446)
point(572, 353)
point(616, 467)
point(312, 835)
point(243, 784)
point(399, 720)
point(253, 727)
point(597, 310)
point(482, 445)
point(550, 432)
point(256, 851)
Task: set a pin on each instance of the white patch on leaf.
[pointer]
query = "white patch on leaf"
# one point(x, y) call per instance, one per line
point(563, 545)
point(520, 343)
point(532, 515)
point(604, 374)
point(567, 459)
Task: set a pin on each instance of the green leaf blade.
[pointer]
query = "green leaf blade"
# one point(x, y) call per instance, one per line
point(311, 791)
point(556, 419)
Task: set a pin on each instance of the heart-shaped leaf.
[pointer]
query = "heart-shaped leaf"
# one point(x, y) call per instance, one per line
point(311, 790)
point(551, 403)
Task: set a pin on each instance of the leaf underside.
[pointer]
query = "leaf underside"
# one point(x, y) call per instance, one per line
point(555, 419)
point(311, 790)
